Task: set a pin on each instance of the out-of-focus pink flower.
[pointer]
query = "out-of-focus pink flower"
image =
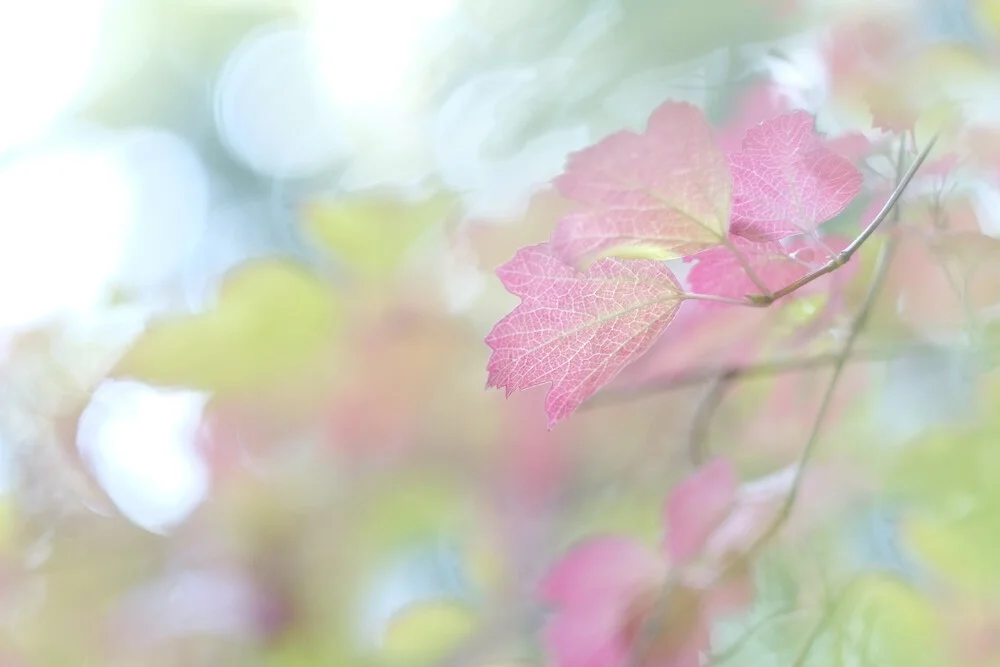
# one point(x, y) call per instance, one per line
point(606, 589)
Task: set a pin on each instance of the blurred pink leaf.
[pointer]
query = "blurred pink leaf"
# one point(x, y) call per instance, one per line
point(697, 506)
point(762, 101)
point(535, 460)
point(606, 590)
point(599, 569)
point(702, 338)
point(576, 330)
point(854, 145)
point(660, 194)
point(786, 181)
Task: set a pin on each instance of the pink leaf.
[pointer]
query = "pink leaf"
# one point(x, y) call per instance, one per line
point(660, 194)
point(786, 181)
point(576, 330)
point(719, 272)
point(603, 571)
point(697, 506)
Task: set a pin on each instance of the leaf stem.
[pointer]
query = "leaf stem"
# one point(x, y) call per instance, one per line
point(721, 299)
point(765, 293)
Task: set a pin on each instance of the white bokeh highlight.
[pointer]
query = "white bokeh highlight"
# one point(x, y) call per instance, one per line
point(273, 110)
point(170, 193)
point(499, 187)
point(141, 444)
point(48, 49)
point(369, 53)
point(65, 213)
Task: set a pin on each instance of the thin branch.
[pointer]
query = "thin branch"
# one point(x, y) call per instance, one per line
point(762, 369)
point(742, 640)
point(885, 257)
point(647, 632)
point(702, 420)
point(828, 613)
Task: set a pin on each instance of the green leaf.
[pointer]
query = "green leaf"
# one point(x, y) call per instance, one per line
point(273, 320)
point(424, 633)
point(906, 629)
point(965, 552)
point(407, 509)
point(372, 235)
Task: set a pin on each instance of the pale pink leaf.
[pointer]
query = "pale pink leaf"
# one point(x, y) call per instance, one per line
point(697, 507)
point(602, 571)
point(854, 146)
point(719, 271)
point(786, 181)
point(660, 194)
point(577, 330)
point(701, 338)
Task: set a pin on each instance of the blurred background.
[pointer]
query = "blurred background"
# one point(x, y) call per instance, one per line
point(247, 253)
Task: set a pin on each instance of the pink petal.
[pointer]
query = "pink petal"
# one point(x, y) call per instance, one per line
point(603, 571)
point(585, 637)
point(697, 506)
